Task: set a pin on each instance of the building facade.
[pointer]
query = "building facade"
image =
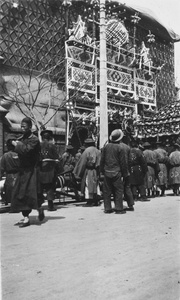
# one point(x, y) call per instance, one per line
point(61, 39)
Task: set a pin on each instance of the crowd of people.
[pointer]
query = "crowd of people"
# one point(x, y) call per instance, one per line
point(116, 173)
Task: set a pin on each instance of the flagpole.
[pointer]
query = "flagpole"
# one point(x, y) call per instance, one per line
point(103, 78)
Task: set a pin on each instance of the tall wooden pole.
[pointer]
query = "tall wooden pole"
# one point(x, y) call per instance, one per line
point(103, 78)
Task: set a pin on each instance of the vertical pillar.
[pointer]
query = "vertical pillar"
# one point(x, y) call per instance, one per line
point(3, 112)
point(103, 78)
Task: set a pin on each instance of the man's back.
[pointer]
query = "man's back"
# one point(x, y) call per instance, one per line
point(114, 158)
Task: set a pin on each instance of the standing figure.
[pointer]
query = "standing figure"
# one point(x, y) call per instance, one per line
point(49, 168)
point(68, 159)
point(9, 166)
point(114, 167)
point(174, 172)
point(138, 170)
point(25, 193)
point(163, 160)
point(153, 169)
point(79, 153)
point(87, 168)
point(128, 196)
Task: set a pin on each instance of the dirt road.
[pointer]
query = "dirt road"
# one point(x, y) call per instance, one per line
point(80, 253)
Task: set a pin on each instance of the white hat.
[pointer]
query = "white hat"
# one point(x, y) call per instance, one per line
point(116, 135)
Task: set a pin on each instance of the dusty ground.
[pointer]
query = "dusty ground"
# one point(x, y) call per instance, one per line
point(80, 253)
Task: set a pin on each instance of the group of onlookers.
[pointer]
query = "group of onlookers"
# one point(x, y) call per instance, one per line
point(132, 172)
point(117, 172)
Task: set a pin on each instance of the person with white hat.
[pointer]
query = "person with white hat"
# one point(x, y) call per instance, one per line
point(114, 167)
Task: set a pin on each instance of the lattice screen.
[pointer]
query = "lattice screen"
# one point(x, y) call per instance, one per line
point(162, 53)
point(33, 36)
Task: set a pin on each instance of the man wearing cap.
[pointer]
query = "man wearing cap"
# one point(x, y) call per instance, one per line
point(138, 169)
point(163, 160)
point(174, 172)
point(114, 166)
point(25, 193)
point(87, 168)
point(9, 167)
point(153, 169)
point(49, 167)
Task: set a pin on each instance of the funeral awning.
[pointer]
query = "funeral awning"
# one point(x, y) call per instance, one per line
point(165, 122)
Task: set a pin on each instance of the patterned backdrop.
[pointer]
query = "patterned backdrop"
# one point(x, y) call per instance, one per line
point(33, 36)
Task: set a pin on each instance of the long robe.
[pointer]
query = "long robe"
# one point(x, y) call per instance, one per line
point(153, 168)
point(138, 167)
point(25, 193)
point(87, 169)
point(163, 160)
point(174, 172)
point(9, 166)
point(50, 163)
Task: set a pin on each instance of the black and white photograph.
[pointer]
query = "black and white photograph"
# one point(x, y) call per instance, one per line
point(89, 150)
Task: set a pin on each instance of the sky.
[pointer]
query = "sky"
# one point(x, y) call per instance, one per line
point(168, 13)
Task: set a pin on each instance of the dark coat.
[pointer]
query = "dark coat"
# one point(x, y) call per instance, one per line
point(114, 160)
point(138, 167)
point(25, 193)
point(50, 164)
point(9, 166)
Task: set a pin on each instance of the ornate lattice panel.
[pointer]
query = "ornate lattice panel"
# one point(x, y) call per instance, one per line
point(80, 77)
point(146, 92)
point(162, 54)
point(32, 35)
point(119, 77)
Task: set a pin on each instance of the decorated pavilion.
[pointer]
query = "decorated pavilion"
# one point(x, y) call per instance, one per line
point(64, 37)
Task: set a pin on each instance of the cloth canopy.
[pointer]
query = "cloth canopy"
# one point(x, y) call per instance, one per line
point(165, 122)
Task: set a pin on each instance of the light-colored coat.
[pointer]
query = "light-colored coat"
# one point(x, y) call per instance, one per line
point(87, 169)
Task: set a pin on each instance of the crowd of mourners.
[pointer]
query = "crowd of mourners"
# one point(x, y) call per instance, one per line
point(116, 173)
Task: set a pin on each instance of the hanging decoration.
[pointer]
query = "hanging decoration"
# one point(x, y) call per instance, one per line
point(145, 58)
point(130, 74)
point(165, 122)
point(79, 32)
point(116, 33)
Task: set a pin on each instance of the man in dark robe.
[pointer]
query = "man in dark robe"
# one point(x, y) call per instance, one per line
point(128, 195)
point(9, 166)
point(49, 168)
point(25, 193)
point(138, 169)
